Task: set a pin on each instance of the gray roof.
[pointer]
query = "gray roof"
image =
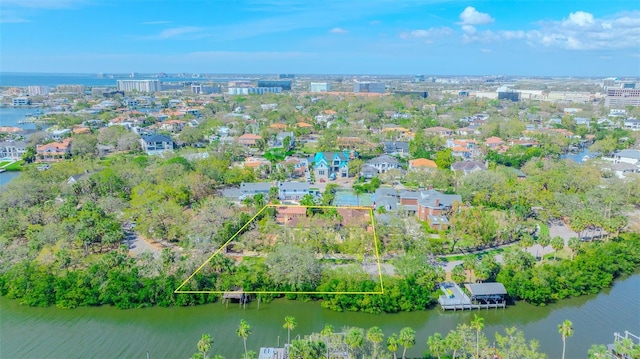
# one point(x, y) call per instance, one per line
point(635, 154)
point(156, 138)
point(486, 288)
point(409, 194)
point(232, 193)
point(293, 186)
point(393, 146)
point(385, 191)
point(369, 169)
point(256, 187)
point(467, 166)
point(428, 199)
point(388, 202)
point(13, 144)
point(384, 159)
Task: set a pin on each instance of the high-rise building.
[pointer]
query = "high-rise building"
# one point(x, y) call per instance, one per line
point(147, 86)
point(622, 97)
point(286, 76)
point(319, 87)
point(369, 87)
point(38, 90)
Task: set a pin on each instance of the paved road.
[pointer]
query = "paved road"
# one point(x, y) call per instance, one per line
point(137, 245)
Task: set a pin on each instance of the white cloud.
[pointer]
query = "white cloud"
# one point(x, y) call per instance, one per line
point(471, 16)
point(433, 32)
point(583, 31)
point(43, 4)
point(338, 30)
point(184, 32)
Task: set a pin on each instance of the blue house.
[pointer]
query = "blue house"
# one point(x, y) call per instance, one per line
point(331, 165)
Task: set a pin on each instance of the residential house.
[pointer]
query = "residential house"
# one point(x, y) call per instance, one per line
point(249, 189)
point(249, 139)
point(631, 124)
point(281, 138)
point(331, 165)
point(255, 162)
point(469, 130)
point(290, 215)
point(627, 156)
point(582, 121)
point(386, 198)
point(606, 123)
point(396, 148)
point(439, 131)
point(58, 135)
point(467, 167)
point(297, 165)
point(377, 165)
point(409, 202)
point(422, 164)
point(354, 217)
point(54, 151)
point(494, 142)
point(463, 148)
point(156, 144)
point(304, 125)
point(292, 191)
point(433, 205)
point(278, 126)
point(172, 125)
point(13, 150)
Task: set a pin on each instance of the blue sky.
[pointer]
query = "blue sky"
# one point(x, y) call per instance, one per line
point(541, 37)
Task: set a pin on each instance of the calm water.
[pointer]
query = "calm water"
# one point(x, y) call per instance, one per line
point(173, 332)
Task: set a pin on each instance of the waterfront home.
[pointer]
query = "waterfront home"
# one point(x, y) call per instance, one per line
point(13, 150)
point(54, 151)
point(292, 191)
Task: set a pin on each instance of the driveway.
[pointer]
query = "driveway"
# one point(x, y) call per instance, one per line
point(138, 245)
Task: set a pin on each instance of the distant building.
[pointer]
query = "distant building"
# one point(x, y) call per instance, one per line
point(54, 151)
point(253, 90)
point(331, 165)
point(509, 95)
point(286, 76)
point(147, 86)
point(38, 90)
point(70, 89)
point(284, 84)
point(622, 97)
point(21, 101)
point(421, 94)
point(199, 89)
point(369, 87)
point(319, 87)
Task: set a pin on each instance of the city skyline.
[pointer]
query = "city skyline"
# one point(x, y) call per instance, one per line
point(524, 38)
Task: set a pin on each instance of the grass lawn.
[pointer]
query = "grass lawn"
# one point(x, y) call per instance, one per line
point(16, 166)
point(3, 163)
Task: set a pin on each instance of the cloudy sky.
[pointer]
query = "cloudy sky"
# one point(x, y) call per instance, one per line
point(540, 37)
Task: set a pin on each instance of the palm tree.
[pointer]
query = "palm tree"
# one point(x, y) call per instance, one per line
point(470, 264)
point(354, 338)
point(289, 325)
point(375, 336)
point(544, 241)
point(598, 352)
point(437, 345)
point(574, 245)
point(477, 323)
point(392, 344)
point(407, 339)
point(204, 345)
point(557, 243)
point(454, 341)
point(243, 331)
point(566, 330)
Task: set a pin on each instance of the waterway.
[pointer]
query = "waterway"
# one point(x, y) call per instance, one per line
point(106, 332)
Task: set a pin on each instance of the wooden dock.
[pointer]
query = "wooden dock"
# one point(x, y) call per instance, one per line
point(455, 299)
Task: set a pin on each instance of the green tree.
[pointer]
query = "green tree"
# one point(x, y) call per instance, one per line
point(392, 344)
point(566, 330)
point(557, 243)
point(455, 341)
point(289, 325)
point(204, 345)
point(444, 159)
point(375, 336)
point(29, 155)
point(243, 331)
point(477, 323)
point(406, 338)
point(457, 274)
point(470, 263)
point(354, 339)
point(437, 345)
point(544, 240)
point(598, 352)
point(574, 245)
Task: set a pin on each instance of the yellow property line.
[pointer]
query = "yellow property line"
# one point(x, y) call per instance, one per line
point(375, 242)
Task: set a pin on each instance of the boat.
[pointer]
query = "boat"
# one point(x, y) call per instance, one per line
point(585, 158)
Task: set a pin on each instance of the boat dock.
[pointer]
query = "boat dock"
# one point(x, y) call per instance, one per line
point(484, 295)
